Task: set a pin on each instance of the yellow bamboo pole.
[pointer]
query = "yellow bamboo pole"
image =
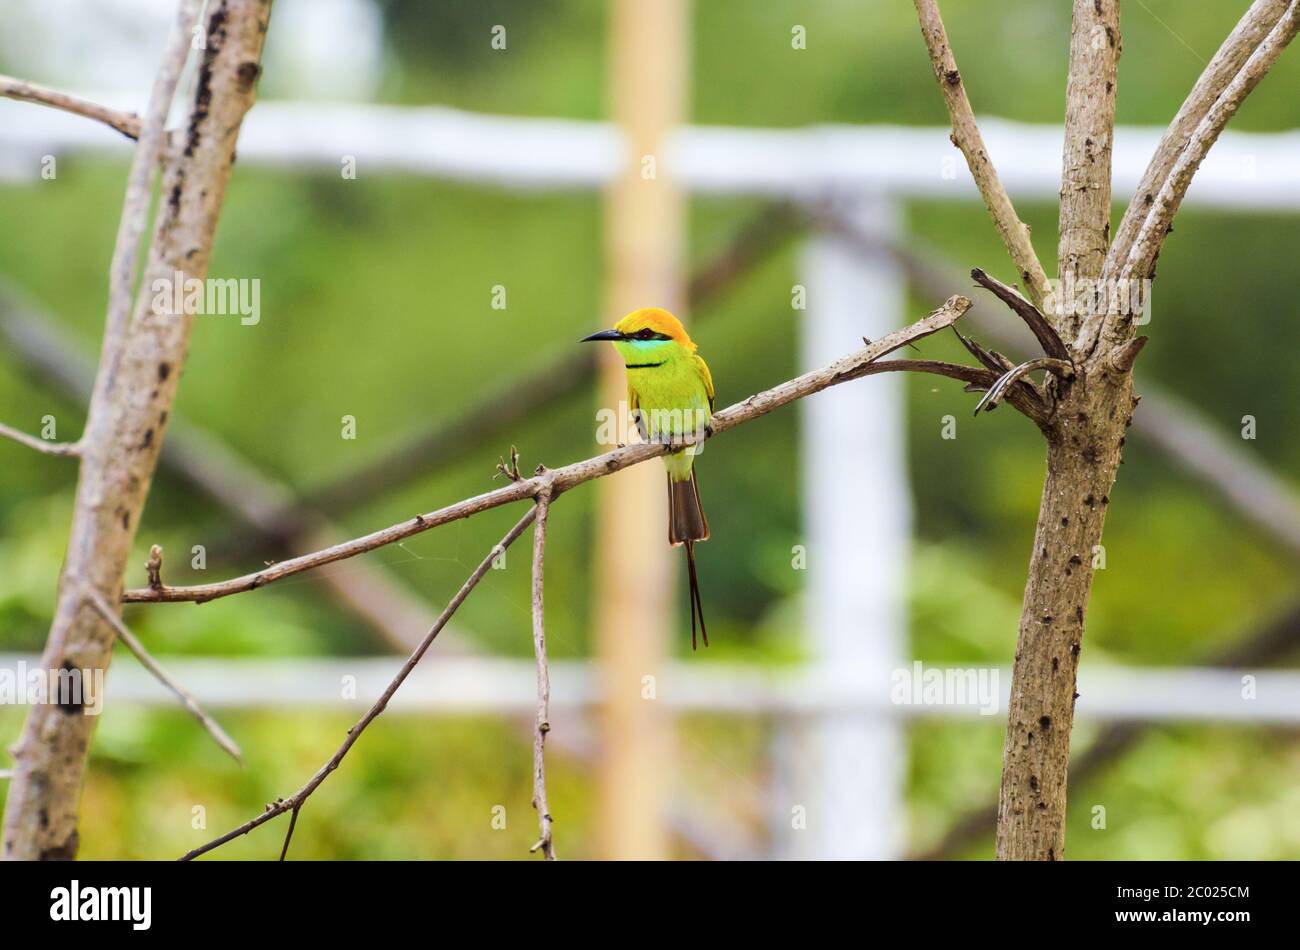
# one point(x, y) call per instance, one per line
point(633, 607)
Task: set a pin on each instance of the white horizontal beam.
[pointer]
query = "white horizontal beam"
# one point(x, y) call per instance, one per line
point(475, 685)
point(1248, 171)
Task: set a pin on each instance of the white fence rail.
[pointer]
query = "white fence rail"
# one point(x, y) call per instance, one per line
point(1244, 171)
point(501, 686)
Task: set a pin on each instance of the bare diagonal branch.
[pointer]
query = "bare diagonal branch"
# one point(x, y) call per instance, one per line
point(1240, 44)
point(128, 123)
point(149, 663)
point(295, 802)
point(1157, 210)
point(40, 445)
point(966, 136)
point(1140, 260)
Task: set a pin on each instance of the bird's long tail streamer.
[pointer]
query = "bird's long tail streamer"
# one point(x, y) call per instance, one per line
point(697, 608)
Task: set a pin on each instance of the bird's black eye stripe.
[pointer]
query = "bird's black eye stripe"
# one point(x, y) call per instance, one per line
point(648, 334)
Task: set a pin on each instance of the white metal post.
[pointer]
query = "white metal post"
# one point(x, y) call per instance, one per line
point(857, 520)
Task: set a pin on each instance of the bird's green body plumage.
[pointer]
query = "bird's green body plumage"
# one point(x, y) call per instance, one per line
point(670, 386)
point(670, 390)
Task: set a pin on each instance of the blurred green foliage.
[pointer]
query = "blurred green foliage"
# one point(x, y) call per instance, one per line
point(376, 303)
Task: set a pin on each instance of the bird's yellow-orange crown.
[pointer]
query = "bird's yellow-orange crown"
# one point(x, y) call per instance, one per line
point(658, 320)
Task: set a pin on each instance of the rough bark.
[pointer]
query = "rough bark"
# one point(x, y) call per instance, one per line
point(125, 425)
point(1084, 439)
point(1083, 455)
point(1084, 223)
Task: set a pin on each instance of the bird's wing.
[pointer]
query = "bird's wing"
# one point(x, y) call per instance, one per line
point(634, 412)
point(706, 377)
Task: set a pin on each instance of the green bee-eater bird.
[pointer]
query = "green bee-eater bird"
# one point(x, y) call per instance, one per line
point(670, 392)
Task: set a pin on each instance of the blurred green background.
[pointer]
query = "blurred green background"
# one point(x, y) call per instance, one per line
point(375, 303)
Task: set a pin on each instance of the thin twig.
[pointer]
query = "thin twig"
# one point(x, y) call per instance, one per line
point(1024, 396)
point(128, 123)
point(562, 479)
point(509, 470)
point(989, 359)
point(966, 136)
point(542, 725)
point(993, 397)
point(149, 663)
point(295, 802)
point(1038, 324)
point(288, 835)
point(40, 445)
point(213, 467)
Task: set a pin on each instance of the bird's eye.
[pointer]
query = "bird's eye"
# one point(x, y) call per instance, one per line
point(646, 334)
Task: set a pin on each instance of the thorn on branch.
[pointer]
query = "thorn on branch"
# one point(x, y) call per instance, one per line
point(96, 601)
point(1122, 360)
point(866, 340)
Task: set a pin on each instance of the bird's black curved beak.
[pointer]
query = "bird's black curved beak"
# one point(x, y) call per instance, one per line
point(603, 335)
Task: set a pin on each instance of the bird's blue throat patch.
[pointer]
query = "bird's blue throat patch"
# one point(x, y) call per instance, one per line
point(643, 354)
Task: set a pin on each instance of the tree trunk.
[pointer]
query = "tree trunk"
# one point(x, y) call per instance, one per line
point(1084, 438)
point(1083, 455)
point(124, 430)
